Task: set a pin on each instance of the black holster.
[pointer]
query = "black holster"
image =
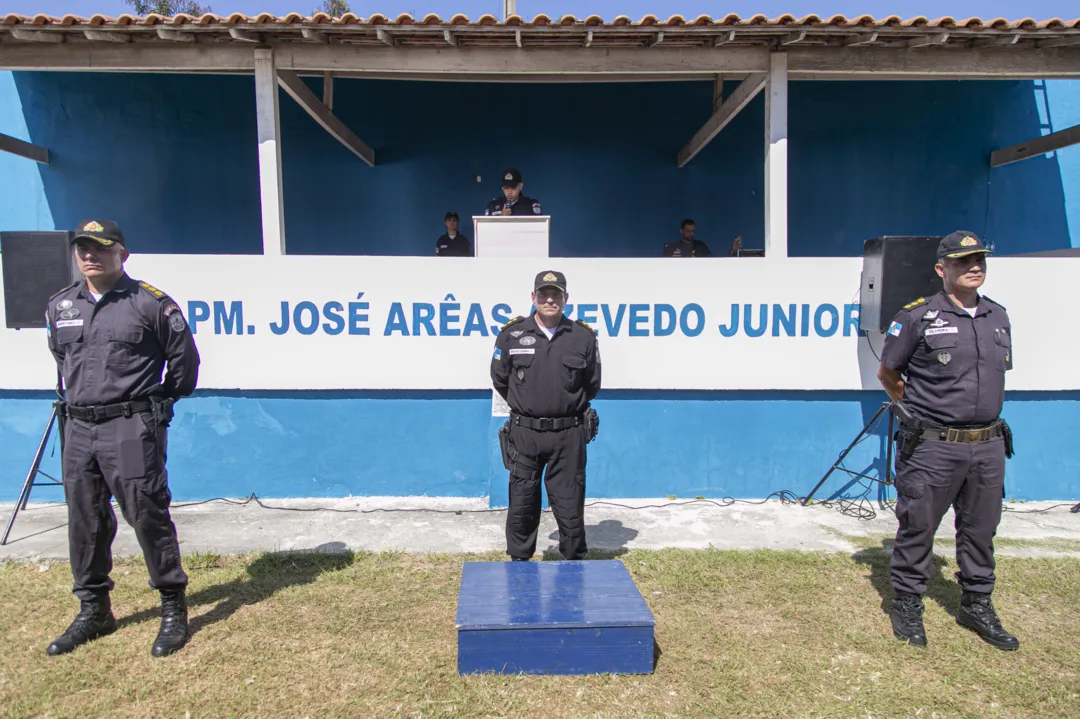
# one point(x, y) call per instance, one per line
point(908, 434)
point(163, 411)
point(592, 425)
point(1007, 435)
point(504, 445)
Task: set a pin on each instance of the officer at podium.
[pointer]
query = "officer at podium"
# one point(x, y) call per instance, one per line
point(111, 337)
point(513, 202)
point(547, 368)
point(944, 362)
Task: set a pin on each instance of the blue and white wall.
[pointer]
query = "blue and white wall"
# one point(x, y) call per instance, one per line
point(174, 160)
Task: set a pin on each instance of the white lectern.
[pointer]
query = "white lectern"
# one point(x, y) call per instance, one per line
point(511, 235)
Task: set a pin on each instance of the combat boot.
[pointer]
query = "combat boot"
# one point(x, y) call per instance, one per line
point(173, 633)
point(977, 614)
point(907, 619)
point(95, 619)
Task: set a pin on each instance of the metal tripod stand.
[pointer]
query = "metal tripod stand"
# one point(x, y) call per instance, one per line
point(858, 438)
point(56, 418)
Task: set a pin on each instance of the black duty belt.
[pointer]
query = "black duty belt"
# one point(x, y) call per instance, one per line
point(102, 412)
point(964, 434)
point(547, 424)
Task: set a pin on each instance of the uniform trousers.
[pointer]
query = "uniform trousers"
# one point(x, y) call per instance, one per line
point(970, 478)
point(123, 457)
point(562, 454)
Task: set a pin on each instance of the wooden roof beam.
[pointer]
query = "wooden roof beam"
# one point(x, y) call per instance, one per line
point(729, 108)
point(299, 91)
point(1035, 147)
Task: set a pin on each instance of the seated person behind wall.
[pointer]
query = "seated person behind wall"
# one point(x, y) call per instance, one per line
point(513, 202)
point(689, 247)
point(453, 243)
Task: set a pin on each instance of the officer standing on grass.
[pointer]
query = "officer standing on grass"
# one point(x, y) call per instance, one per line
point(112, 337)
point(954, 349)
point(547, 368)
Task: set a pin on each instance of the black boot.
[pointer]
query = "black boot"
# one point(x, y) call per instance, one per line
point(174, 628)
point(977, 614)
point(907, 623)
point(95, 619)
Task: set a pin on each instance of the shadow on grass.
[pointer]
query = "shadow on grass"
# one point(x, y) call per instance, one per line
point(945, 592)
point(267, 575)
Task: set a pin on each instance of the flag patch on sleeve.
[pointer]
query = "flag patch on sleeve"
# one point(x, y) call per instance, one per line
point(894, 329)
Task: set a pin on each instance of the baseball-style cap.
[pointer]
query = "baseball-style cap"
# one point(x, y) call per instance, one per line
point(105, 232)
point(550, 278)
point(511, 178)
point(960, 244)
point(450, 214)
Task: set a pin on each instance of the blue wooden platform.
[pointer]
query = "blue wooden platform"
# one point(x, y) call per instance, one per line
point(584, 617)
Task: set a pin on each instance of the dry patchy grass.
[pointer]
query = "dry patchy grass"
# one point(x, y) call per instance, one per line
point(371, 635)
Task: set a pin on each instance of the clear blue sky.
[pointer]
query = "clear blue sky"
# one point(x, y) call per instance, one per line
point(1011, 9)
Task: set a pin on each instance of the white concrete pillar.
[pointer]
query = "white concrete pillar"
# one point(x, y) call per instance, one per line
point(269, 130)
point(776, 157)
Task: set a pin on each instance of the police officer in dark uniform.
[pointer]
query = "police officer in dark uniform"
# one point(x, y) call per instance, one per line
point(453, 243)
point(954, 349)
point(547, 368)
point(513, 202)
point(112, 337)
point(687, 246)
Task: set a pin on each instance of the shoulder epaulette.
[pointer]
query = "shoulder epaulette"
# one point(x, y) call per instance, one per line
point(585, 324)
point(516, 319)
point(916, 303)
point(72, 286)
point(992, 301)
point(154, 291)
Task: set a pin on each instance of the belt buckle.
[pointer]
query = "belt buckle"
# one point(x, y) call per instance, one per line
point(92, 414)
point(546, 424)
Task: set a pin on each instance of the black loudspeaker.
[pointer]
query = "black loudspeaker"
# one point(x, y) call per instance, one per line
point(896, 271)
point(37, 265)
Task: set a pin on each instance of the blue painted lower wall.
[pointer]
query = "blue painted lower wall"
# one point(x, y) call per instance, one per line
point(651, 444)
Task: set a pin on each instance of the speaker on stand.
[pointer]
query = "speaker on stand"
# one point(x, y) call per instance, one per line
point(896, 270)
point(36, 265)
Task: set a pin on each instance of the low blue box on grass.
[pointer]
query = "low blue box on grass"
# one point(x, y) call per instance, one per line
point(584, 617)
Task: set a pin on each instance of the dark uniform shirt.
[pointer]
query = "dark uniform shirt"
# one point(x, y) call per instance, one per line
point(539, 377)
point(457, 246)
point(115, 349)
point(955, 363)
point(523, 206)
point(684, 249)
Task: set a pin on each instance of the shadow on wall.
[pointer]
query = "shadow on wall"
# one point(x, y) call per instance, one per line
point(174, 159)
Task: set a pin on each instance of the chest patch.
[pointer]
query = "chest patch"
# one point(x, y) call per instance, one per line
point(522, 351)
point(527, 341)
point(69, 323)
point(944, 357)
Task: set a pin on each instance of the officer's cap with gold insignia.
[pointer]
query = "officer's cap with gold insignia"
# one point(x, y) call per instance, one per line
point(104, 232)
point(511, 178)
point(550, 278)
point(960, 244)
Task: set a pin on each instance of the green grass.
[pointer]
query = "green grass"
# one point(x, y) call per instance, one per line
point(740, 634)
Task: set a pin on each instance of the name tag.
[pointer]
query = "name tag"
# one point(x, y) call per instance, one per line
point(523, 351)
point(69, 323)
point(942, 330)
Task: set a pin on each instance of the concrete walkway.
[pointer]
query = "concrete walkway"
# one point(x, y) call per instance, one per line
point(466, 525)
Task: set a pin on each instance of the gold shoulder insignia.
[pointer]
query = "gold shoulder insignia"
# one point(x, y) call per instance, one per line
point(584, 324)
point(916, 303)
point(152, 290)
point(516, 319)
